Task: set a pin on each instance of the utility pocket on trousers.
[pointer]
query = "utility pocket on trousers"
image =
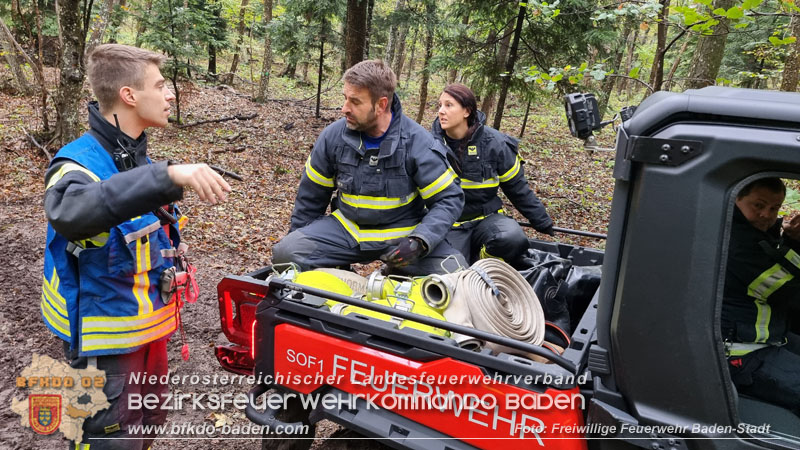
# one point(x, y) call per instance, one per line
point(113, 418)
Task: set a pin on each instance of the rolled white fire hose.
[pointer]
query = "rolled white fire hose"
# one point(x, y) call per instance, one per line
point(492, 296)
point(353, 280)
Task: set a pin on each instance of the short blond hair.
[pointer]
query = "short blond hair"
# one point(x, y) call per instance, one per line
point(374, 75)
point(112, 66)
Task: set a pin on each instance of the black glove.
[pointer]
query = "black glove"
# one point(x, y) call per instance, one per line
point(403, 251)
point(548, 231)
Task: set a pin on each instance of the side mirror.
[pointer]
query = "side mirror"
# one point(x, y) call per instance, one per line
point(583, 114)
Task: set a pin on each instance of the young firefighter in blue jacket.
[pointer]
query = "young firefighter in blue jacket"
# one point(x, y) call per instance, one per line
point(762, 287)
point(485, 160)
point(109, 248)
point(397, 196)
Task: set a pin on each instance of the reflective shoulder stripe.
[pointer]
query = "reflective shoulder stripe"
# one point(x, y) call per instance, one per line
point(793, 258)
point(370, 235)
point(439, 184)
point(768, 282)
point(512, 172)
point(470, 184)
point(365, 201)
point(66, 168)
point(317, 177)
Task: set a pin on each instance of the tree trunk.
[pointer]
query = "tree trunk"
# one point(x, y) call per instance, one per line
point(710, 49)
point(393, 28)
point(608, 83)
point(512, 59)
point(72, 37)
point(39, 71)
point(7, 42)
point(148, 4)
point(356, 32)
point(631, 52)
point(657, 71)
point(18, 22)
point(239, 40)
point(675, 65)
point(319, 76)
point(413, 51)
point(99, 26)
point(212, 48)
point(791, 68)
point(370, 9)
point(525, 120)
point(430, 9)
point(487, 106)
point(177, 92)
point(266, 66)
point(400, 51)
point(451, 77)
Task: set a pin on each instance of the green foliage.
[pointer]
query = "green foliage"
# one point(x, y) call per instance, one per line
point(301, 25)
point(182, 33)
point(647, 10)
point(573, 75)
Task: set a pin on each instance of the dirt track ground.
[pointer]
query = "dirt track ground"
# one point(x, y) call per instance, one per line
point(233, 238)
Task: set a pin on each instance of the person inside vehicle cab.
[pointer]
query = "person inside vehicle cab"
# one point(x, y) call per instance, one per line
point(762, 289)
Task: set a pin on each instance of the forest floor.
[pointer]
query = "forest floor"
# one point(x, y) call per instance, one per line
point(235, 237)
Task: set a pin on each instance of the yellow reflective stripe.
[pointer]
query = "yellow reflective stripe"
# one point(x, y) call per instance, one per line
point(740, 349)
point(182, 220)
point(317, 177)
point(512, 172)
point(762, 321)
point(484, 254)
point(55, 301)
point(458, 224)
point(438, 185)
point(371, 235)
point(50, 290)
point(53, 318)
point(66, 168)
point(96, 241)
point(56, 281)
point(141, 280)
point(99, 324)
point(793, 258)
point(364, 201)
point(470, 184)
point(768, 282)
point(101, 341)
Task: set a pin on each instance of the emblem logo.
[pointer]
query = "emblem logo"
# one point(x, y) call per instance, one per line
point(373, 160)
point(45, 412)
point(472, 150)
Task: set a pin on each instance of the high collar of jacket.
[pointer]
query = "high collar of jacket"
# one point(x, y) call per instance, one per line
point(390, 140)
point(437, 130)
point(774, 232)
point(113, 139)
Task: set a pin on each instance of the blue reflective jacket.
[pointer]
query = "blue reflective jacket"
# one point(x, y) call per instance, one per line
point(107, 299)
